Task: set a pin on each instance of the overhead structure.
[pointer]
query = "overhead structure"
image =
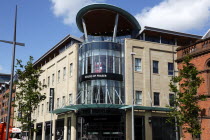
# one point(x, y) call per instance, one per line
point(100, 20)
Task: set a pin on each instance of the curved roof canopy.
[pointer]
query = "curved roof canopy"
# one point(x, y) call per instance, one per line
point(100, 20)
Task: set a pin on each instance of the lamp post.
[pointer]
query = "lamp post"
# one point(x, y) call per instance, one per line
point(51, 98)
point(132, 112)
point(12, 72)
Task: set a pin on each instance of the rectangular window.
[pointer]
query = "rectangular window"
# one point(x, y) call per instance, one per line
point(43, 82)
point(171, 99)
point(63, 101)
point(139, 97)
point(170, 69)
point(48, 82)
point(70, 98)
point(64, 73)
point(138, 64)
point(155, 66)
point(47, 107)
point(53, 79)
point(59, 72)
point(38, 110)
point(58, 102)
point(156, 98)
point(71, 69)
point(42, 108)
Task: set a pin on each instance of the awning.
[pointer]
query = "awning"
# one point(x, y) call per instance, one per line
point(148, 108)
point(86, 106)
point(111, 106)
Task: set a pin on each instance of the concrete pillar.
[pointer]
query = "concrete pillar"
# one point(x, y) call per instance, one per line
point(65, 127)
point(128, 125)
point(148, 126)
point(53, 129)
point(73, 126)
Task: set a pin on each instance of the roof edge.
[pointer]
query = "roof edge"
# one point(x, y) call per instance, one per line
point(82, 11)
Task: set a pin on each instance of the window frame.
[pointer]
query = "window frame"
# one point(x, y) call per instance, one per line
point(139, 92)
point(171, 103)
point(170, 71)
point(138, 66)
point(156, 102)
point(71, 70)
point(155, 70)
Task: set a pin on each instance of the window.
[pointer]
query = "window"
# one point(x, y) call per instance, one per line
point(42, 108)
point(170, 69)
point(156, 98)
point(71, 69)
point(47, 107)
point(70, 98)
point(137, 64)
point(58, 102)
point(63, 101)
point(53, 78)
point(59, 72)
point(38, 110)
point(64, 73)
point(43, 82)
point(48, 82)
point(155, 66)
point(171, 99)
point(139, 97)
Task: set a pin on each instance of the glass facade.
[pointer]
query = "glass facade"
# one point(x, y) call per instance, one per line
point(101, 73)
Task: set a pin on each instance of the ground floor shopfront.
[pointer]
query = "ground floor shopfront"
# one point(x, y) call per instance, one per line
point(106, 124)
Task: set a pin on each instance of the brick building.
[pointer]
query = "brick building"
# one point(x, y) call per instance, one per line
point(200, 51)
point(4, 92)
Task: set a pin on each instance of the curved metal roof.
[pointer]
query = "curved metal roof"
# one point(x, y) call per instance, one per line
point(101, 17)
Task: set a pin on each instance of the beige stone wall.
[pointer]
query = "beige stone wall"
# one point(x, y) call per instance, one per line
point(62, 88)
point(145, 80)
point(148, 51)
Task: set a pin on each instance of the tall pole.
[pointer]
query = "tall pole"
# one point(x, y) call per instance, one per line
point(11, 79)
point(132, 111)
point(51, 118)
point(176, 125)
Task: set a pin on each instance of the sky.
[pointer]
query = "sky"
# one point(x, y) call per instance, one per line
point(43, 23)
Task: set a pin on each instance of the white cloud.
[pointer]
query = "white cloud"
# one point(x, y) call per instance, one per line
point(67, 9)
point(1, 68)
point(180, 15)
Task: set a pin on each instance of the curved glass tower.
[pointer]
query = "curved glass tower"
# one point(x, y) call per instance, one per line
point(100, 74)
point(101, 56)
point(101, 71)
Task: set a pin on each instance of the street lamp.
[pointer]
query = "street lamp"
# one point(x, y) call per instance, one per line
point(12, 72)
point(132, 54)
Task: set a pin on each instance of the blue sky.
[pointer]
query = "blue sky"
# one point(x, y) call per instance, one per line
point(43, 23)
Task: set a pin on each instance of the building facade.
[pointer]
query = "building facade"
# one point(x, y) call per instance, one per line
point(94, 82)
point(4, 92)
point(200, 53)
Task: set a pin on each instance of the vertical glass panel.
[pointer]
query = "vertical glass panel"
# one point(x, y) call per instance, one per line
point(103, 63)
point(97, 65)
point(110, 64)
point(117, 65)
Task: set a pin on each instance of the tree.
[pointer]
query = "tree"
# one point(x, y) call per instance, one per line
point(28, 94)
point(186, 108)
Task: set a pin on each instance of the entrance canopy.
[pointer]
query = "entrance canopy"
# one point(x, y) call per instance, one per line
point(107, 106)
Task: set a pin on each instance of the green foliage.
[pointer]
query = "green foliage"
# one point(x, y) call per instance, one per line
point(186, 109)
point(28, 94)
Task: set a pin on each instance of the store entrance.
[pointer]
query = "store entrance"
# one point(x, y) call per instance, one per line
point(101, 127)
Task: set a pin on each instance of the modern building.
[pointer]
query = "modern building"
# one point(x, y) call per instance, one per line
point(94, 82)
point(4, 92)
point(200, 52)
